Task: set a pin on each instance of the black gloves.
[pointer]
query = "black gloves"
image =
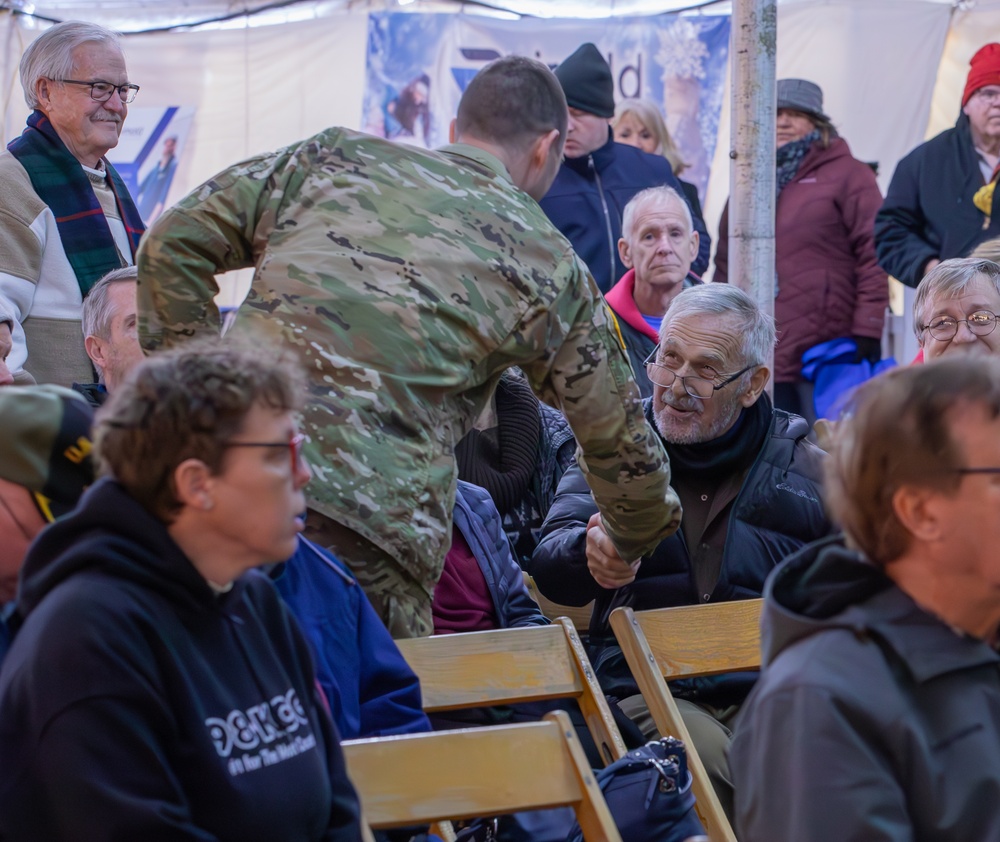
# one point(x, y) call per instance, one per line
point(868, 349)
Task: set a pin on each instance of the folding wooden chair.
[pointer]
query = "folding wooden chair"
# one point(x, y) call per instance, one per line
point(513, 665)
point(425, 778)
point(689, 641)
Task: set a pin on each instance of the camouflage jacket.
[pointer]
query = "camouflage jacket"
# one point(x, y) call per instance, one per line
point(408, 281)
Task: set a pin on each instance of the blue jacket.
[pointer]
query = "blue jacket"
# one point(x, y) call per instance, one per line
point(928, 211)
point(371, 689)
point(5, 612)
point(588, 198)
point(477, 518)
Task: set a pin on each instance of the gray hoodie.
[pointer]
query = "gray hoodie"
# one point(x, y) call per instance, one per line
point(872, 720)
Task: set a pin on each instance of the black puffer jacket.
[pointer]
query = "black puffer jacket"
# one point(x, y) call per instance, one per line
point(777, 511)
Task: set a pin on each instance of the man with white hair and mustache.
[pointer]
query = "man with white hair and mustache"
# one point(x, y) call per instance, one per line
point(67, 217)
point(749, 482)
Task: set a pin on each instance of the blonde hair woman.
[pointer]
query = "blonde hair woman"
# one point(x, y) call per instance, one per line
point(638, 122)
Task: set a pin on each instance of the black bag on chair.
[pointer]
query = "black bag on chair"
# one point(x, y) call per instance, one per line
point(649, 794)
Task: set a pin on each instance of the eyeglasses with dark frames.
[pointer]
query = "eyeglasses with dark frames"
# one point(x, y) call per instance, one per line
point(294, 445)
point(696, 387)
point(980, 323)
point(964, 471)
point(102, 91)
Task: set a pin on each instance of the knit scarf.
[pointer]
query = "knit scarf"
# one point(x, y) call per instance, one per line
point(61, 183)
point(730, 453)
point(790, 157)
point(502, 459)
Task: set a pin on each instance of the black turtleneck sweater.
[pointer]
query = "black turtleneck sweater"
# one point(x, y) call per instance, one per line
point(707, 477)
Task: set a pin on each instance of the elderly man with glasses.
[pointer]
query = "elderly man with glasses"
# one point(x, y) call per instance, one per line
point(67, 216)
point(749, 482)
point(956, 306)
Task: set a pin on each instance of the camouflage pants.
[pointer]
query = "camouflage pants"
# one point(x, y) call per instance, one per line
point(399, 599)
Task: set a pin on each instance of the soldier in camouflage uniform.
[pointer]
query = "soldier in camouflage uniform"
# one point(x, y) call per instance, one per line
point(408, 281)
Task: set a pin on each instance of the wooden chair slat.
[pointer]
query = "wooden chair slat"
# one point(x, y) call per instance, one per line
point(507, 666)
point(687, 641)
point(423, 778)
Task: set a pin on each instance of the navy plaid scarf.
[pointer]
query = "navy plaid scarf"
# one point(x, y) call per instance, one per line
point(789, 157)
point(62, 184)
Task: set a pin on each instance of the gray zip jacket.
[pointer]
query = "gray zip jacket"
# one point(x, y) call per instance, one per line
point(872, 721)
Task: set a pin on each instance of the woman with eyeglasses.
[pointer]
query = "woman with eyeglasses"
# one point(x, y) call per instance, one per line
point(156, 687)
point(828, 284)
point(956, 306)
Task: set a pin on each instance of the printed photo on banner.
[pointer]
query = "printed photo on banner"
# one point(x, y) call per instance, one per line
point(419, 65)
point(148, 153)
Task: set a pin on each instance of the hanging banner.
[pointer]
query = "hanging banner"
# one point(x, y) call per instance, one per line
point(151, 144)
point(419, 65)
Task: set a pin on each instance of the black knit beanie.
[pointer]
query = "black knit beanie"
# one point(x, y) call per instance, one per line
point(586, 80)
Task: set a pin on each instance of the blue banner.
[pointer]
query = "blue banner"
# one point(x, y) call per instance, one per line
point(151, 145)
point(419, 64)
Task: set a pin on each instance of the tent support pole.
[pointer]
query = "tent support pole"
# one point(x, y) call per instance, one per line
point(752, 171)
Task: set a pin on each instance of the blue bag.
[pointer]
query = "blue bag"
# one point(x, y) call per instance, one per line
point(649, 794)
point(831, 367)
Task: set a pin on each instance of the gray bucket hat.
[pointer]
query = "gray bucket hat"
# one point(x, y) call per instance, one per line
point(801, 95)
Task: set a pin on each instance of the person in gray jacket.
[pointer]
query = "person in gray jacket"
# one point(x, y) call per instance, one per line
point(877, 714)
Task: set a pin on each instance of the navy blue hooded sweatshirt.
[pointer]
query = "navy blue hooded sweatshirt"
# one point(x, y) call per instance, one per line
point(136, 703)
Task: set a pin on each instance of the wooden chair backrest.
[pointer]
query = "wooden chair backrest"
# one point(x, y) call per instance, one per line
point(579, 614)
point(423, 778)
point(695, 640)
point(513, 665)
point(667, 643)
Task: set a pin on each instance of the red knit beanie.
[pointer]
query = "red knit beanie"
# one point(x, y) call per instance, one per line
point(985, 70)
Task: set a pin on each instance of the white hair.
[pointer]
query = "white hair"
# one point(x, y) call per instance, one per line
point(660, 196)
point(755, 328)
point(949, 279)
point(96, 315)
point(50, 55)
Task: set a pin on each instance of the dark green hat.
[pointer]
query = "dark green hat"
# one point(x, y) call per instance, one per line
point(45, 444)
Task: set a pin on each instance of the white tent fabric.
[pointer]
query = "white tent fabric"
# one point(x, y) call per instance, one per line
point(892, 72)
point(879, 62)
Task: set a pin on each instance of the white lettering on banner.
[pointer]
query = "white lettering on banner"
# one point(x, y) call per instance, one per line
point(269, 726)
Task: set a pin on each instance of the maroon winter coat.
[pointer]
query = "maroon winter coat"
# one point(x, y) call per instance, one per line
point(829, 284)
